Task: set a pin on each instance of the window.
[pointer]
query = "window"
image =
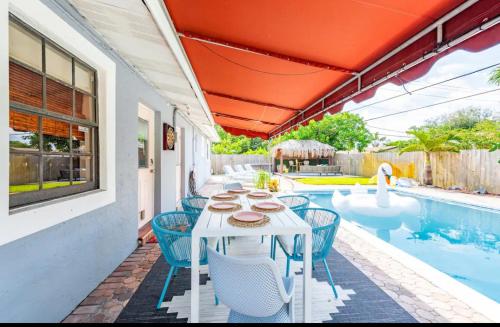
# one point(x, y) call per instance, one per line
point(208, 149)
point(53, 125)
point(202, 148)
point(142, 143)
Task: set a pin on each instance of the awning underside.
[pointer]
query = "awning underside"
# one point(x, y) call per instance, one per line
point(266, 66)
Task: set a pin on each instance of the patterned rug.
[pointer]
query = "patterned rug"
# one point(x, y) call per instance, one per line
point(360, 300)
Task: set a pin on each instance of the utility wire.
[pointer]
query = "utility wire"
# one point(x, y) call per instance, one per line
point(442, 96)
point(257, 70)
point(405, 136)
point(434, 104)
point(425, 87)
point(386, 129)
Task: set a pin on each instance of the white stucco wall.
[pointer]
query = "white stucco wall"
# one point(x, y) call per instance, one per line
point(45, 274)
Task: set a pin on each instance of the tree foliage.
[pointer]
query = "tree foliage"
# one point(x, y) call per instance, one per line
point(495, 76)
point(474, 127)
point(470, 128)
point(429, 140)
point(466, 118)
point(230, 144)
point(344, 131)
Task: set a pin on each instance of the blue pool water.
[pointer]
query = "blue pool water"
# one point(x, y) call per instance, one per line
point(460, 240)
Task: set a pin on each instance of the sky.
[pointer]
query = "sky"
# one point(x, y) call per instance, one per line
point(454, 64)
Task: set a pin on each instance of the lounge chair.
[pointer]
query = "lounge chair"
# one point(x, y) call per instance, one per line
point(229, 172)
point(241, 170)
point(252, 287)
point(249, 168)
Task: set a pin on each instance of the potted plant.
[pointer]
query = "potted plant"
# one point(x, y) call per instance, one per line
point(261, 179)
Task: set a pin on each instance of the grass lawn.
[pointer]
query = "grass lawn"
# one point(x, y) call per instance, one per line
point(335, 180)
point(34, 187)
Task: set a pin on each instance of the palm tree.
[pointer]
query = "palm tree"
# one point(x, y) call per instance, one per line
point(429, 141)
point(495, 76)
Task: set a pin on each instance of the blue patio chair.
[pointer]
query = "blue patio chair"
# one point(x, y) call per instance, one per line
point(252, 288)
point(294, 202)
point(196, 204)
point(325, 224)
point(173, 232)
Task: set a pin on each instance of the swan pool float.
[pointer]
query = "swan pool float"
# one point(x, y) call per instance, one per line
point(383, 204)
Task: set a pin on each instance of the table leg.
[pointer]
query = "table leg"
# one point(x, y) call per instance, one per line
point(307, 277)
point(195, 279)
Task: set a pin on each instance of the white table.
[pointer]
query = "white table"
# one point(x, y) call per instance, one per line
point(212, 224)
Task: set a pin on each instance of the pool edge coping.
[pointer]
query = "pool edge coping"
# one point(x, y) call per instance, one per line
point(477, 301)
point(405, 190)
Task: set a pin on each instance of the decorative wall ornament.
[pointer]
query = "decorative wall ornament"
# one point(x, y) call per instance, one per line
point(168, 137)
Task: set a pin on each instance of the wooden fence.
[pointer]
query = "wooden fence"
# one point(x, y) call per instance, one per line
point(469, 169)
point(258, 160)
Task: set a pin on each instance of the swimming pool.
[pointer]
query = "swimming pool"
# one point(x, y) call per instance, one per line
point(460, 240)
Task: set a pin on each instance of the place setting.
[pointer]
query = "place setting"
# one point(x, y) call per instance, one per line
point(225, 197)
point(259, 195)
point(224, 207)
point(267, 206)
point(248, 219)
point(239, 191)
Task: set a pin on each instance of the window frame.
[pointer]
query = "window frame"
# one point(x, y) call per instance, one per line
point(146, 145)
point(26, 198)
point(25, 221)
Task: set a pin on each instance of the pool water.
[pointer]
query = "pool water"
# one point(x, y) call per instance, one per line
point(460, 240)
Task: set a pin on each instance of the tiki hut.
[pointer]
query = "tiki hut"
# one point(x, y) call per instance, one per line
point(301, 149)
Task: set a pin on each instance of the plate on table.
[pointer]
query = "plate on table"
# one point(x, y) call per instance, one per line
point(259, 194)
point(224, 196)
point(224, 205)
point(268, 205)
point(248, 216)
point(239, 191)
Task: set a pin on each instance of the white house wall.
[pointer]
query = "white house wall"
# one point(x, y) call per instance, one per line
point(46, 274)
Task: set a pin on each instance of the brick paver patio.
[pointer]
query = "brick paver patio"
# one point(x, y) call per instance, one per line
point(106, 302)
point(422, 300)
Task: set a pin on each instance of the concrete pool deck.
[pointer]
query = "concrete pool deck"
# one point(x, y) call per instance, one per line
point(430, 288)
point(491, 201)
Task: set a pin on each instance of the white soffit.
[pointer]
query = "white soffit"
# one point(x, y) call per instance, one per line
point(128, 27)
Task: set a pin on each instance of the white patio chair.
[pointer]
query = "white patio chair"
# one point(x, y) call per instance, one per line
point(229, 172)
point(241, 170)
point(252, 288)
point(249, 168)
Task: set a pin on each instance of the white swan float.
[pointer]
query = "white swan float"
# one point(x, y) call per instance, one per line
point(383, 204)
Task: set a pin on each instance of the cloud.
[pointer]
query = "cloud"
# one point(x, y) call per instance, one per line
point(457, 63)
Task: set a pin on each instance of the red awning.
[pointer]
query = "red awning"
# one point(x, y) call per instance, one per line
point(267, 66)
